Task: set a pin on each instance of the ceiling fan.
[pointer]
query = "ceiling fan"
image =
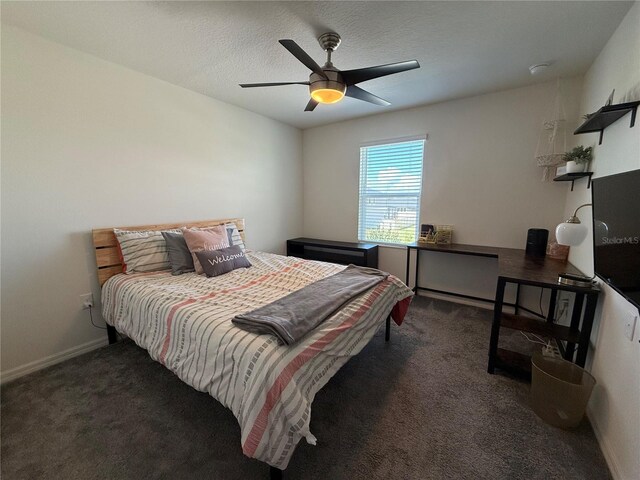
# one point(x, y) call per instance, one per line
point(327, 84)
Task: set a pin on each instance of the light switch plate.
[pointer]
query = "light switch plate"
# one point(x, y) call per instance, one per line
point(630, 325)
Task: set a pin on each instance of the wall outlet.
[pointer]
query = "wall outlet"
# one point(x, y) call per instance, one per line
point(86, 301)
point(630, 324)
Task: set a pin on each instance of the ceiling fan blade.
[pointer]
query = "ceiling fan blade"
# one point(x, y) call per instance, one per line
point(352, 77)
point(276, 84)
point(360, 94)
point(311, 105)
point(303, 56)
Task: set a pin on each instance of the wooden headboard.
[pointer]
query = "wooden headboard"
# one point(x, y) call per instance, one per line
point(106, 245)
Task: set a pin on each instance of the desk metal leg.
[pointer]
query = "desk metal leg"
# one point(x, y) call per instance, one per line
point(576, 315)
point(585, 332)
point(406, 281)
point(415, 286)
point(495, 327)
point(551, 313)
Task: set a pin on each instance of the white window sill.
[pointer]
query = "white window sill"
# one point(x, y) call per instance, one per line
point(387, 245)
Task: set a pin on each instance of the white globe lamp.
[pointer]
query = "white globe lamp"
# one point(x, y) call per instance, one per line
point(571, 232)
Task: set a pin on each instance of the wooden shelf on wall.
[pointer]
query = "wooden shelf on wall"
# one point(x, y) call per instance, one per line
point(572, 177)
point(607, 115)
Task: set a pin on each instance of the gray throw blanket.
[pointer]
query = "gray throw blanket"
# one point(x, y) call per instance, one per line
point(291, 317)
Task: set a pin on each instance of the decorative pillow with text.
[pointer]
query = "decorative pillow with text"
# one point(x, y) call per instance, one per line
point(214, 238)
point(219, 262)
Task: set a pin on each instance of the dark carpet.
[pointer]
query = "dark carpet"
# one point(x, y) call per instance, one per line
point(419, 407)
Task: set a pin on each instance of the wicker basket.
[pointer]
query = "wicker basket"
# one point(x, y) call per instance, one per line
point(428, 238)
point(444, 234)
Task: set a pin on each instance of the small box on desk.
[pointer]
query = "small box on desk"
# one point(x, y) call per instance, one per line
point(435, 234)
point(557, 251)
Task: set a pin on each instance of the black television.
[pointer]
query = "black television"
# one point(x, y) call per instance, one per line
point(616, 232)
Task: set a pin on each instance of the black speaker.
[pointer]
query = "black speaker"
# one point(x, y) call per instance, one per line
point(537, 242)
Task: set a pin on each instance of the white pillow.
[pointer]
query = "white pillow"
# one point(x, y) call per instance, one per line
point(143, 250)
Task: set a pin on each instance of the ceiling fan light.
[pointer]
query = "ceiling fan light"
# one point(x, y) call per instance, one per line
point(329, 90)
point(327, 95)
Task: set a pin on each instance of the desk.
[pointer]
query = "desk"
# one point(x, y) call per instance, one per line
point(514, 266)
point(358, 253)
point(453, 248)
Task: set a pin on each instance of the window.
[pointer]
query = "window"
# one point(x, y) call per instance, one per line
point(390, 188)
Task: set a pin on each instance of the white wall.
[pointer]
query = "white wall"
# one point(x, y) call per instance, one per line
point(87, 143)
point(614, 409)
point(479, 175)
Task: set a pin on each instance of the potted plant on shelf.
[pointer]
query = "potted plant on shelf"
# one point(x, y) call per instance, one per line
point(578, 159)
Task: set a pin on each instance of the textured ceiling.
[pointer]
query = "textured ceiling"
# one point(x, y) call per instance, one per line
point(464, 48)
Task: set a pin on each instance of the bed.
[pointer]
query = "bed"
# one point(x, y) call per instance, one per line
point(184, 322)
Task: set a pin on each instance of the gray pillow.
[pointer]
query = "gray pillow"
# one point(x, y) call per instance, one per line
point(234, 236)
point(218, 262)
point(180, 258)
point(229, 234)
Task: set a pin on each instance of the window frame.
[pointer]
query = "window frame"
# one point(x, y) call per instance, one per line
point(392, 141)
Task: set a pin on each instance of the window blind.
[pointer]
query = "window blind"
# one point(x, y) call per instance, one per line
point(390, 189)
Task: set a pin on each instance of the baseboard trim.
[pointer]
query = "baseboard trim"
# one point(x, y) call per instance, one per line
point(36, 365)
point(454, 299)
point(607, 451)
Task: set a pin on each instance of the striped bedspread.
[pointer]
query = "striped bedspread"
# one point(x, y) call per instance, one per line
point(184, 322)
